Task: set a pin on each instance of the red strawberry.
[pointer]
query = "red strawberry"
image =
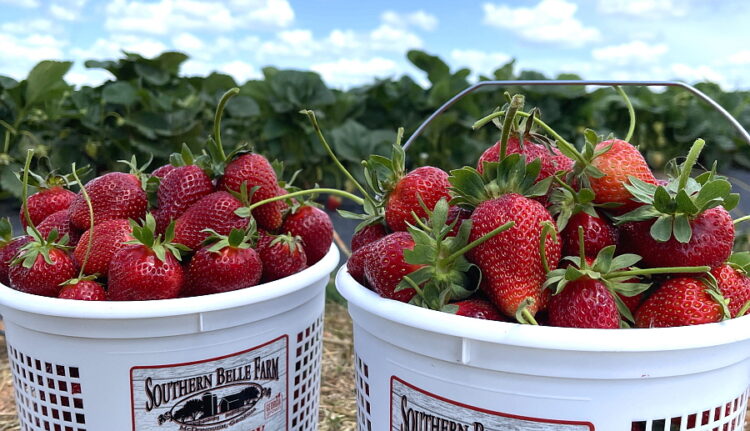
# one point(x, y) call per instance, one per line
point(282, 256)
point(162, 171)
point(710, 244)
point(478, 309)
point(60, 221)
point(597, 234)
point(46, 202)
point(622, 161)
point(83, 290)
point(679, 301)
point(385, 266)
point(314, 227)
point(356, 263)
point(115, 195)
point(181, 187)
point(427, 182)
point(333, 202)
point(8, 251)
point(255, 170)
point(734, 286)
point(40, 268)
point(215, 211)
point(584, 303)
point(367, 235)
point(226, 264)
point(551, 158)
point(148, 268)
point(632, 302)
point(109, 237)
point(457, 213)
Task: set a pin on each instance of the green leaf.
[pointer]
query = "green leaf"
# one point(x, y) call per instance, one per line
point(713, 190)
point(662, 201)
point(436, 68)
point(661, 230)
point(685, 204)
point(45, 81)
point(624, 261)
point(682, 230)
point(243, 107)
point(120, 93)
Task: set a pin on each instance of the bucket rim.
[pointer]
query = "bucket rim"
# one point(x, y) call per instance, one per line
point(542, 337)
point(56, 307)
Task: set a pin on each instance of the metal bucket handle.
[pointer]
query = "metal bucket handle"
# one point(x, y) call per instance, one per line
point(480, 84)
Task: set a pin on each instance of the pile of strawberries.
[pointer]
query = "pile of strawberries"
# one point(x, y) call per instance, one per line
point(542, 232)
point(197, 226)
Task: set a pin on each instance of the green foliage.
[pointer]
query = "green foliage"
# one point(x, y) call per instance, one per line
point(148, 108)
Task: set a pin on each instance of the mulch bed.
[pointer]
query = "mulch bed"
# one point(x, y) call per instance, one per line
point(337, 404)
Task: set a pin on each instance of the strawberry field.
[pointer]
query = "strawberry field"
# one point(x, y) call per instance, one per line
point(498, 244)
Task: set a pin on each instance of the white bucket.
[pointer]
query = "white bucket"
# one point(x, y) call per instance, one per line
point(418, 369)
point(237, 361)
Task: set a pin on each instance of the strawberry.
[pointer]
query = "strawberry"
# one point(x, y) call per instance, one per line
point(405, 194)
point(584, 303)
point(681, 301)
point(734, 283)
point(179, 189)
point(385, 266)
point(83, 290)
point(632, 302)
point(282, 256)
point(60, 221)
point(314, 227)
point(109, 237)
point(458, 215)
point(226, 263)
point(255, 171)
point(598, 233)
point(215, 211)
point(356, 263)
point(367, 234)
point(619, 163)
point(551, 158)
point(511, 263)
point(148, 267)
point(9, 247)
point(478, 309)
point(41, 266)
point(333, 202)
point(115, 195)
point(46, 202)
point(684, 223)
point(162, 171)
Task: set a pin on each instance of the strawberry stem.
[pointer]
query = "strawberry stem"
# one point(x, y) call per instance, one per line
point(516, 104)
point(341, 193)
point(667, 270)
point(523, 315)
point(581, 248)
point(480, 240)
point(529, 317)
point(741, 219)
point(692, 157)
point(547, 229)
point(631, 112)
point(217, 118)
point(745, 308)
point(25, 192)
point(90, 244)
point(311, 116)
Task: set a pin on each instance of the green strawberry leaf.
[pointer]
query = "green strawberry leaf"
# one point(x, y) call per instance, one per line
point(661, 230)
point(682, 230)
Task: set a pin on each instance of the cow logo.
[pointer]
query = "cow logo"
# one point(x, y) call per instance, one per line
point(210, 408)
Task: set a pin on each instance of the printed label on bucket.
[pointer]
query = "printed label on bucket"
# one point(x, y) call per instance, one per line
point(415, 409)
point(244, 391)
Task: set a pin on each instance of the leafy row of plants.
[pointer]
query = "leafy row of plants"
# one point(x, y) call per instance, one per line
point(149, 109)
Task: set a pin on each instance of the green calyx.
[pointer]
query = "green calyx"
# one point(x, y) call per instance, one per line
point(567, 202)
point(213, 158)
point(511, 175)
point(139, 171)
point(291, 242)
point(713, 290)
point(80, 278)
point(445, 275)
point(52, 178)
point(237, 239)
point(675, 205)
point(145, 235)
point(39, 245)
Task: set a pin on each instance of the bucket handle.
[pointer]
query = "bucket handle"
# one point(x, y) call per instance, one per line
point(480, 84)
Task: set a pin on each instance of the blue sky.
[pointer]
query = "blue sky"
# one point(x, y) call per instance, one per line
point(349, 42)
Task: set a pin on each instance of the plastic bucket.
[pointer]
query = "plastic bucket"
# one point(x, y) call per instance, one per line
point(243, 360)
point(418, 369)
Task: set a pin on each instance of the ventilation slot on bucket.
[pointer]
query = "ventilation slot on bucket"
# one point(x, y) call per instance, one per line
point(305, 391)
point(48, 395)
point(728, 417)
point(362, 378)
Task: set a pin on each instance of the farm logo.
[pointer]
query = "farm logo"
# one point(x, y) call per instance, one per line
point(414, 419)
point(245, 391)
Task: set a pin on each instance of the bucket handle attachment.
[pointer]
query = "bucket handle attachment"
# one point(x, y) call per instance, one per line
point(481, 84)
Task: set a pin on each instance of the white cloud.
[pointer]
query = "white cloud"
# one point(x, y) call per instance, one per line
point(38, 25)
point(479, 61)
point(169, 16)
point(62, 13)
point(187, 42)
point(90, 77)
point(21, 3)
point(635, 52)
point(389, 38)
point(21, 53)
point(344, 39)
point(740, 57)
point(643, 8)
point(697, 73)
point(347, 72)
point(240, 70)
point(550, 21)
point(420, 19)
point(110, 48)
point(289, 43)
